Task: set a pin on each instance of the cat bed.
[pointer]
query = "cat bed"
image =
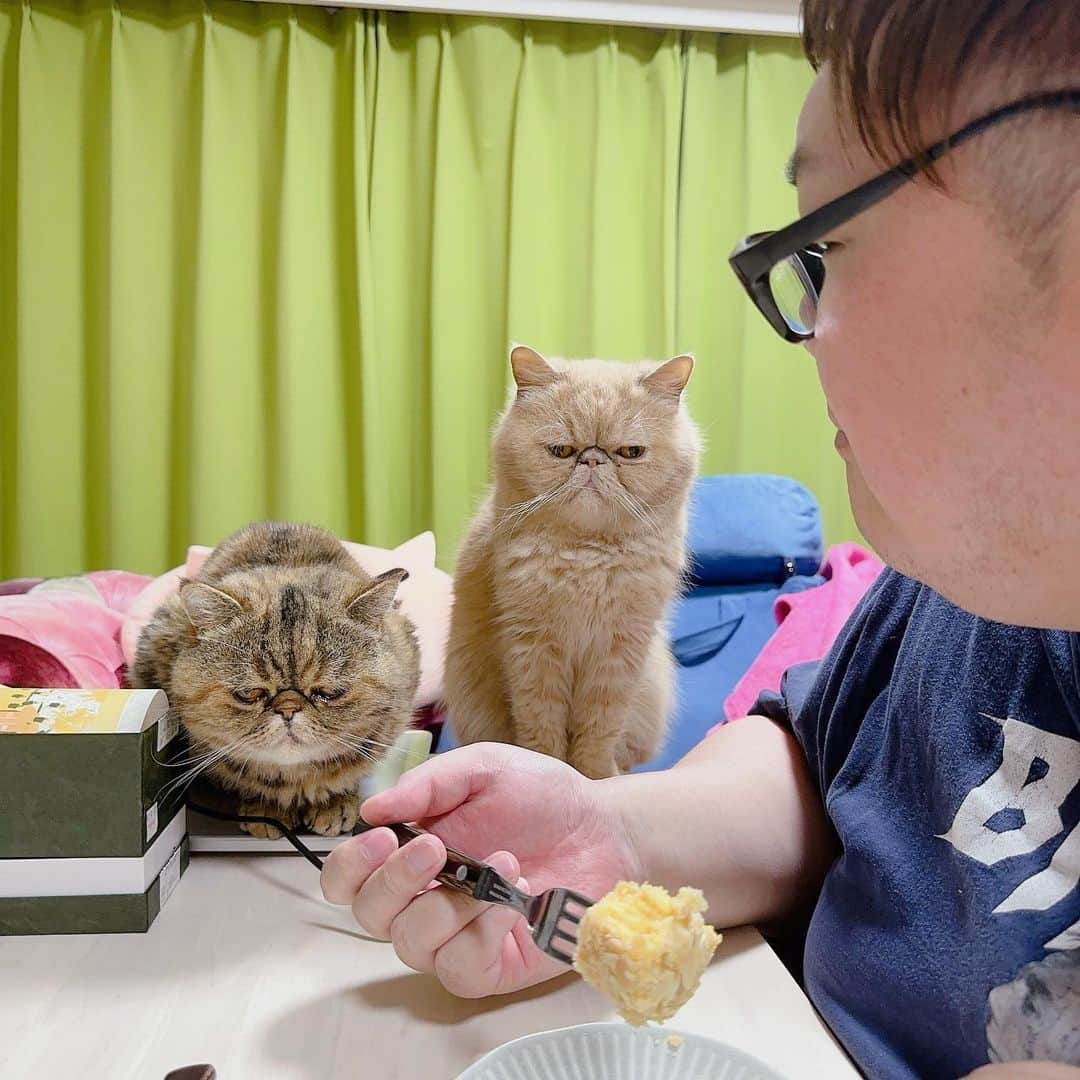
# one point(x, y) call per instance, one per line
point(751, 538)
point(83, 631)
point(425, 597)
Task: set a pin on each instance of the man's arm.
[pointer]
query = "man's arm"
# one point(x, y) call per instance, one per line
point(739, 817)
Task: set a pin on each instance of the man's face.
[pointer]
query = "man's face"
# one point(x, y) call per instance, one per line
point(953, 382)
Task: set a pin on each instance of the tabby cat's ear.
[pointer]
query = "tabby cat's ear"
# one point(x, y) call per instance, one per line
point(378, 597)
point(206, 606)
point(530, 369)
point(670, 379)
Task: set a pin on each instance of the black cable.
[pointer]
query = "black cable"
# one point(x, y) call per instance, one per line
point(289, 835)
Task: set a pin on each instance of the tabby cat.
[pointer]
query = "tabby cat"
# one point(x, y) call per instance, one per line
point(290, 670)
point(558, 640)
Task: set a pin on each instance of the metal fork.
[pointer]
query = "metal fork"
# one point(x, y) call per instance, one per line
point(553, 915)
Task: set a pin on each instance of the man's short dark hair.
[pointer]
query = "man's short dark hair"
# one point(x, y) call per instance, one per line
point(904, 72)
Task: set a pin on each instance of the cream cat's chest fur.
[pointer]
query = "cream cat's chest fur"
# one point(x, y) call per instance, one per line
point(596, 585)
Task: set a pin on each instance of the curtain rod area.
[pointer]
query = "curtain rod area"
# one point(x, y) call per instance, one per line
point(748, 17)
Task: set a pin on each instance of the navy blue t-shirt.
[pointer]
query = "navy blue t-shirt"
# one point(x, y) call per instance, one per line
point(947, 933)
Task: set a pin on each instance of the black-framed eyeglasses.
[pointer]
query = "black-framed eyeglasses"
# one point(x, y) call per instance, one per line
point(784, 272)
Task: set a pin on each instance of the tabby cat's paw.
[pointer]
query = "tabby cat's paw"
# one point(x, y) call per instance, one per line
point(335, 817)
point(258, 829)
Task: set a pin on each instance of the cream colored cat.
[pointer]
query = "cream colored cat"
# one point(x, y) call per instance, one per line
point(558, 640)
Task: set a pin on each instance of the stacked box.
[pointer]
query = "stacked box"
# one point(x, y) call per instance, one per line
point(91, 841)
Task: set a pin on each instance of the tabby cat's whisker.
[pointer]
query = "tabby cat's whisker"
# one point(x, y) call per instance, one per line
point(188, 778)
point(356, 751)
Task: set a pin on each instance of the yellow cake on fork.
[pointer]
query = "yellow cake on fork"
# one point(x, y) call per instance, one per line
point(646, 949)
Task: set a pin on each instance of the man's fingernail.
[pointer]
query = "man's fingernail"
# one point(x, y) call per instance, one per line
point(369, 844)
point(506, 864)
point(422, 856)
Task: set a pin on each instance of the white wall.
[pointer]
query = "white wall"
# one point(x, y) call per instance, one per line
point(746, 16)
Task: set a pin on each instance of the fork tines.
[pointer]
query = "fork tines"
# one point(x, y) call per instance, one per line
point(555, 929)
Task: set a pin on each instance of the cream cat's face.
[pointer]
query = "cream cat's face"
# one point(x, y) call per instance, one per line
point(594, 443)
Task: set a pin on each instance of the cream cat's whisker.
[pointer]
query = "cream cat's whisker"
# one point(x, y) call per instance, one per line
point(550, 498)
point(637, 508)
point(514, 513)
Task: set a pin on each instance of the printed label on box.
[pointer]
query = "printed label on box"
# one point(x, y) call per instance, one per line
point(170, 875)
point(60, 712)
point(151, 823)
point(167, 728)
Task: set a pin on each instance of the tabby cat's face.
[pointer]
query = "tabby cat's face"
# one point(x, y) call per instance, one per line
point(285, 673)
point(599, 443)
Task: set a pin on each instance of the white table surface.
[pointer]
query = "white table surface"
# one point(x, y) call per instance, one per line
point(248, 969)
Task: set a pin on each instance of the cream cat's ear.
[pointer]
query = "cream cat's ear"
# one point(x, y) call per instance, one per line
point(670, 379)
point(530, 369)
point(378, 598)
point(206, 606)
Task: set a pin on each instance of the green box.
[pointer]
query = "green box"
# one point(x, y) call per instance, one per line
point(97, 913)
point(91, 841)
point(81, 772)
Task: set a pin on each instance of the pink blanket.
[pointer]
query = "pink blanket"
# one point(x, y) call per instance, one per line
point(809, 623)
point(66, 632)
point(83, 631)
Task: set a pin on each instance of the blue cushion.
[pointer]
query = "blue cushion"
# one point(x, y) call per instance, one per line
point(752, 528)
point(717, 633)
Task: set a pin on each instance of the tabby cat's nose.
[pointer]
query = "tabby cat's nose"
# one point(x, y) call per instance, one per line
point(287, 705)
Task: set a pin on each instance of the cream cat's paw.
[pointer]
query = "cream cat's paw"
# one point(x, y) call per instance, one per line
point(335, 817)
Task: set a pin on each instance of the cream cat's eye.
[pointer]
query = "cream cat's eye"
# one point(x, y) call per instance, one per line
point(249, 697)
point(630, 452)
point(562, 452)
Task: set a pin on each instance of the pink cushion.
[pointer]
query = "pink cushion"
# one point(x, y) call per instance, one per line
point(23, 663)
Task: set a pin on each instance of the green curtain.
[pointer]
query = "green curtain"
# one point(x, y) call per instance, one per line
point(264, 261)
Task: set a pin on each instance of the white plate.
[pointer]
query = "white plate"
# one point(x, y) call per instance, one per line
point(616, 1052)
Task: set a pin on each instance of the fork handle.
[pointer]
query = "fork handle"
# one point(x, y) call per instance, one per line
point(460, 872)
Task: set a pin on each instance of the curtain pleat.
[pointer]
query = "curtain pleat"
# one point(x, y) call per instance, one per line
point(265, 261)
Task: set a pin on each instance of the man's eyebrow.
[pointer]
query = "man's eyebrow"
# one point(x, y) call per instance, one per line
point(796, 163)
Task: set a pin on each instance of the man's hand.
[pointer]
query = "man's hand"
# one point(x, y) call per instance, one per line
point(483, 800)
point(739, 818)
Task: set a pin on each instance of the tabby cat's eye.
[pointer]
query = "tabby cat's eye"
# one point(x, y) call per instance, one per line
point(562, 452)
point(249, 697)
point(630, 452)
point(326, 693)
